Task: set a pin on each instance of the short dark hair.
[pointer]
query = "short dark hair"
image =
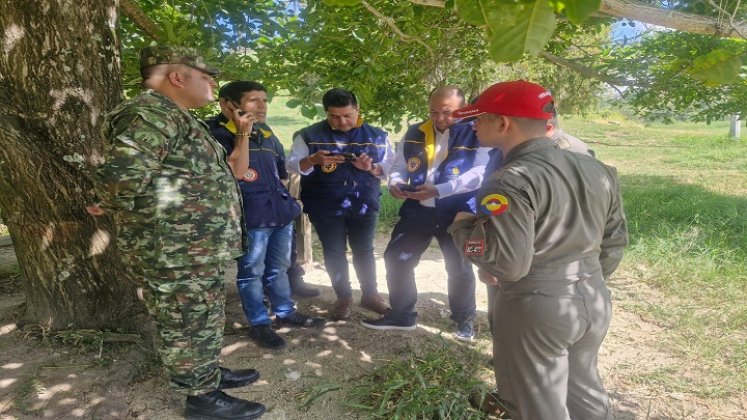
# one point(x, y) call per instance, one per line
point(235, 90)
point(338, 98)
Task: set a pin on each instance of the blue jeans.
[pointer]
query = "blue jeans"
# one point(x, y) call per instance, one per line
point(264, 268)
point(334, 233)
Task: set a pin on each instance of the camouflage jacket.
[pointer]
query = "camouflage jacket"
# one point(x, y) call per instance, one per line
point(167, 182)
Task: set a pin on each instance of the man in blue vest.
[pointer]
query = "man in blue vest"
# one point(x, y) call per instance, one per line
point(269, 211)
point(342, 161)
point(438, 166)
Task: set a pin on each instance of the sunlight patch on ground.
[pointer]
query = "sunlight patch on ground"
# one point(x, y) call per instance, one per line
point(8, 328)
point(4, 383)
point(48, 393)
point(12, 365)
point(231, 348)
point(324, 353)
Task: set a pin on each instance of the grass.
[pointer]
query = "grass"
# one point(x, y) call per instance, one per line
point(684, 187)
point(435, 384)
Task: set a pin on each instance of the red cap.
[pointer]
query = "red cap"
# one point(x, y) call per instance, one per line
point(513, 99)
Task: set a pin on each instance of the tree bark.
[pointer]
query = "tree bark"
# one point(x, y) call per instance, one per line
point(735, 127)
point(59, 72)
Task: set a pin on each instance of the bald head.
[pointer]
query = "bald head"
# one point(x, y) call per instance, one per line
point(448, 91)
point(188, 87)
point(154, 76)
point(441, 102)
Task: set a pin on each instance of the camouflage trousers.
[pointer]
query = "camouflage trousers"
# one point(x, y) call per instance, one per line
point(188, 304)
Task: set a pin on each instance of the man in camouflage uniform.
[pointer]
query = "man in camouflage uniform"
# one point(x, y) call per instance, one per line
point(179, 217)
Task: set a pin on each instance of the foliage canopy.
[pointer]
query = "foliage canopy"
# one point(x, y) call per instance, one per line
point(392, 53)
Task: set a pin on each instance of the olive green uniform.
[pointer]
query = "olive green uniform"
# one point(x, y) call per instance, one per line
point(179, 218)
point(551, 229)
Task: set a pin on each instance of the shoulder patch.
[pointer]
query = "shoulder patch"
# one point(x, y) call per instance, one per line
point(413, 164)
point(474, 247)
point(494, 204)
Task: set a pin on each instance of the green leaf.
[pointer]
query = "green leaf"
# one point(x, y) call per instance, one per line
point(719, 67)
point(294, 103)
point(533, 27)
point(480, 12)
point(308, 111)
point(341, 3)
point(578, 10)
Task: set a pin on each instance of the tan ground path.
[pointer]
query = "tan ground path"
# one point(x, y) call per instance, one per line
point(38, 381)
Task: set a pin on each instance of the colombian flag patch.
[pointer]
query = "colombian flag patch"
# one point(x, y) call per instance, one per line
point(494, 204)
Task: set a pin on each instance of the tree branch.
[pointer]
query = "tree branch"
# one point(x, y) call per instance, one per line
point(433, 3)
point(587, 71)
point(731, 16)
point(685, 22)
point(634, 10)
point(140, 19)
point(390, 22)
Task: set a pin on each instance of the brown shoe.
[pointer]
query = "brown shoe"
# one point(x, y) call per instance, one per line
point(490, 403)
point(374, 302)
point(341, 309)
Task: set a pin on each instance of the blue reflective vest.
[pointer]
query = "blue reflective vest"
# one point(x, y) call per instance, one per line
point(342, 189)
point(419, 150)
point(267, 202)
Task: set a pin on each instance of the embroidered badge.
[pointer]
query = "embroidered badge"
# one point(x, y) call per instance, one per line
point(251, 175)
point(474, 247)
point(413, 164)
point(455, 171)
point(329, 168)
point(494, 204)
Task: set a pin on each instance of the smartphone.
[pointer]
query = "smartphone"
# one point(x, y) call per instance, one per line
point(407, 187)
point(237, 106)
point(349, 157)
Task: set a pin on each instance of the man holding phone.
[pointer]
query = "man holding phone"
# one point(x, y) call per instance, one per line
point(438, 166)
point(269, 212)
point(341, 194)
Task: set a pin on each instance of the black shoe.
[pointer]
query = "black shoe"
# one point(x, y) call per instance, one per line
point(298, 319)
point(236, 378)
point(388, 322)
point(266, 337)
point(219, 405)
point(299, 288)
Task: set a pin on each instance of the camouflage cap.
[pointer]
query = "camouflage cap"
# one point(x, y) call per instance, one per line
point(167, 54)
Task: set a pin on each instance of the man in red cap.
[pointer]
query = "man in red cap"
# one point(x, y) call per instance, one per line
point(550, 227)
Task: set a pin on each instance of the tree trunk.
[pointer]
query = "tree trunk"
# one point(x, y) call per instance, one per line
point(735, 127)
point(59, 72)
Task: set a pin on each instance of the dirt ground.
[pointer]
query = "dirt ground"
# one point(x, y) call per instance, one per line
point(117, 382)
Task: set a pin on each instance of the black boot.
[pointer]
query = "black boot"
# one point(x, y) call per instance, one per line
point(299, 288)
point(219, 405)
point(236, 378)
